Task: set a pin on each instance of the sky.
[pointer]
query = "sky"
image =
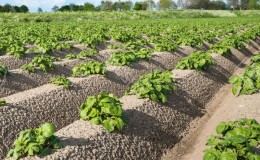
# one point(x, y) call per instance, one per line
point(46, 5)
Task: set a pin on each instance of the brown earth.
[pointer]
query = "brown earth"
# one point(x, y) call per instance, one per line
point(225, 107)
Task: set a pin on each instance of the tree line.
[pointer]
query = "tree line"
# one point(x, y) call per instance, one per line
point(108, 5)
point(10, 8)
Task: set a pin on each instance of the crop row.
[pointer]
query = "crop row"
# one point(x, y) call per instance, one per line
point(133, 90)
point(199, 61)
point(134, 57)
point(163, 35)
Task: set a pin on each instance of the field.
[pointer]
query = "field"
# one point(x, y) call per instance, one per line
point(121, 89)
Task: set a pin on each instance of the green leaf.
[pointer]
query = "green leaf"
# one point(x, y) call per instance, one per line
point(48, 129)
point(222, 128)
point(95, 120)
point(238, 139)
point(235, 88)
point(109, 125)
point(228, 155)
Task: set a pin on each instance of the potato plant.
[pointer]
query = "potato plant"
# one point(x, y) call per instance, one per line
point(3, 70)
point(155, 86)
point(104, 109)
point(235, 140)
point(247, 83)
point(35, 141)
point(2, 102)
point(88, 68)
point(43, 62)
point(198, 61)
point(61, 81)
point(122, 58)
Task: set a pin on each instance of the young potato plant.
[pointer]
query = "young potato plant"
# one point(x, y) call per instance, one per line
point(165, 45)
point(35, 141)
point(43, 62)
point(247, 83)
point(61, 81)
point(235, 140)
point(104, 109)
point(88, 53)
point(2, 102)
point(71, 56)
point(144, 53)
point(91, 67)
point(198, 60)
point(187, 40)
point(125, 58)
point(135, 45)
point(121, 58)
point(3, 70)
point(114, 46)
point(255, 59)
point(154, 86)
point(16, 49)
point(221, 48)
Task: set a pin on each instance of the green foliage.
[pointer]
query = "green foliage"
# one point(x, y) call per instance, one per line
point(91, 67)
point(154, 86)
point(122, 58)
point(16, 49)
point(165, 45)
point(220, 48)
point(3, 70)
point(256, 59)
point(88, 53)
point(43, 62)
point(198, 60)
point(236, 140)
point(61, 80)
point(115, 46)
point(71, 56)
point(35, 141)
point(104, 109)
point(143, 53)
point(2, 102)
point(247, 83)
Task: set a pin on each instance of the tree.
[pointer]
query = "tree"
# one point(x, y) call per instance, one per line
point(140, 6)
point(55, 8)
point(167, 5)
point(89, 7)
point(253, 4)
point(73, 7)
point(106, 5)
point(117, 6)
point(243, 4)
point(217, 5)
point(16, 8)
point(151, 4)
point(234, 4)
point(182, 4)
point(64, 8)
point(198, 4)
point(39, 10)
point(24, 9)
point(7, 8)
point(127, 5)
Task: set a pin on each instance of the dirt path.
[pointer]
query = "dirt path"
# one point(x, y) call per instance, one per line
point(227, 107)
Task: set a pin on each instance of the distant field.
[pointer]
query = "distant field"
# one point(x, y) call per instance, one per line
point(130, 15)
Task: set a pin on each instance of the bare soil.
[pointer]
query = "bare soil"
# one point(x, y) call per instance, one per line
point(225, 107)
